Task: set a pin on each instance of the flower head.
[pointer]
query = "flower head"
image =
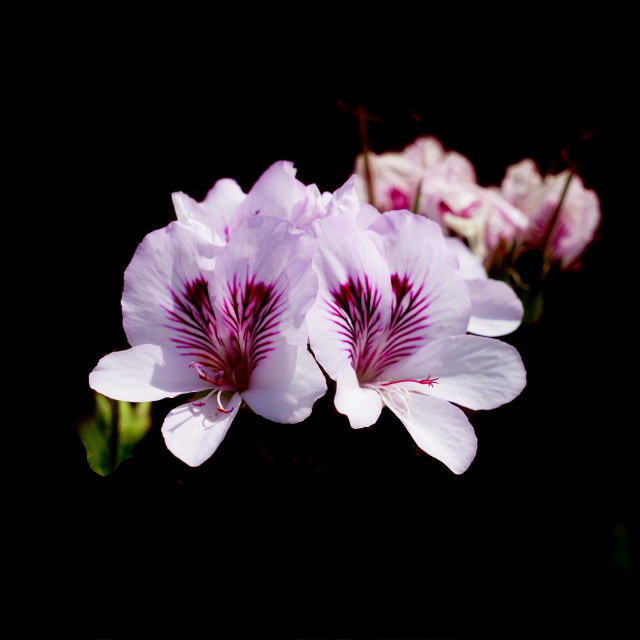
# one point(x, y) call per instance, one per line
point(564, 234)
point(389, 326)
point(226, 320)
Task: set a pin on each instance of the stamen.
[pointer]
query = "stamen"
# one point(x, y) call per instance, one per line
point(201, 403)
point(203, 375)
point(220, 408)
point(428, 381)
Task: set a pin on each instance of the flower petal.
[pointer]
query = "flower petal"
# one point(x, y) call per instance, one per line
point(270, 252)
point(471, 267)
point(285, 385)
point(354, 297)
point(496, 309)
point(362, 406)
point(144, 373)
point(211, 216)
point(438, 428)
point(193, 433)
point(164, 264)
point(277, 192)
point(415, 250)
point(472, 371)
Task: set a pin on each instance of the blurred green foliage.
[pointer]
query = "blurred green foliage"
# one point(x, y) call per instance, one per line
point(110, 434)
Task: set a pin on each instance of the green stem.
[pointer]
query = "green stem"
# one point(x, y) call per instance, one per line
point(114, 443)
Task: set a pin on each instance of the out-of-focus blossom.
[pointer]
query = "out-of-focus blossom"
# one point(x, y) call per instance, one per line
point(441, 185)
point(226, 320)
point(389, 326)
point(397, 177)
point(564, 234)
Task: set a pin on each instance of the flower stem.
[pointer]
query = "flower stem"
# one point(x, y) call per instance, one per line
point(553, 223)
point(114, 442)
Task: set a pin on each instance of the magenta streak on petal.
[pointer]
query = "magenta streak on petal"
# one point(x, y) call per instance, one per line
point(226, 345)
point(398, 199)
point(354, 307)
point(372, 346)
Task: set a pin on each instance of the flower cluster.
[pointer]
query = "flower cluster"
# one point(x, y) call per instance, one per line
point(255, 299)
point(554, 216)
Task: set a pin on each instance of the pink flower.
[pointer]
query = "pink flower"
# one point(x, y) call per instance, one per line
point(398, 176)
point(226, 320)
point(441, 185)
point(564, 237)
point(389, 326)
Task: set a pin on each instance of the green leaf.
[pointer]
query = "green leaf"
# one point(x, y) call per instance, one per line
point(111, 433)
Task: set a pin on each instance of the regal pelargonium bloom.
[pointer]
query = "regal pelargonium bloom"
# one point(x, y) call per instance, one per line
point(389, 326)
point(227, 320)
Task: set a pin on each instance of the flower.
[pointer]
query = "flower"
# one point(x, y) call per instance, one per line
point(389, 326)
point(277, 192)
point(226, 320)
point(564, 235)
point(496, 309)
point(441, 185)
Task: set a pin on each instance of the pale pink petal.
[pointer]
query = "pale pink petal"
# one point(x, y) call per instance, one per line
point(144, 373)
point(438, 428)
point(285, 385)
point(472, 371)
point(415, 251)
point(361, 405)
point(164, 264)
point(269, 252)
point(193, 433)
point(277, 192)
point(471, 267)
point(211, 216)
point(346, 203)
point(354, 297)
point(496, 309)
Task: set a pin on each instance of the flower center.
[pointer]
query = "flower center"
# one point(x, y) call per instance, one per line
point(227, 342)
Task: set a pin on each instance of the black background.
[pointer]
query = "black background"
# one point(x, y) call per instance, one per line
point(315, 530)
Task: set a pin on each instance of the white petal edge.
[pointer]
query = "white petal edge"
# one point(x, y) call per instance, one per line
point(437, 427)
point(361, 405)
point(194, 433)
point(144, 373)
point(496, 309)
point(285, 385)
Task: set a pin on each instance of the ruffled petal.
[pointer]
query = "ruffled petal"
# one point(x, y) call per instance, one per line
point(193, 433)
point(472, 371)
point(361, 405)
point(212, 216)
point(144, 373)
point(438, 428)
point(285, 385)
point(496, 309)
point(277, 192)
